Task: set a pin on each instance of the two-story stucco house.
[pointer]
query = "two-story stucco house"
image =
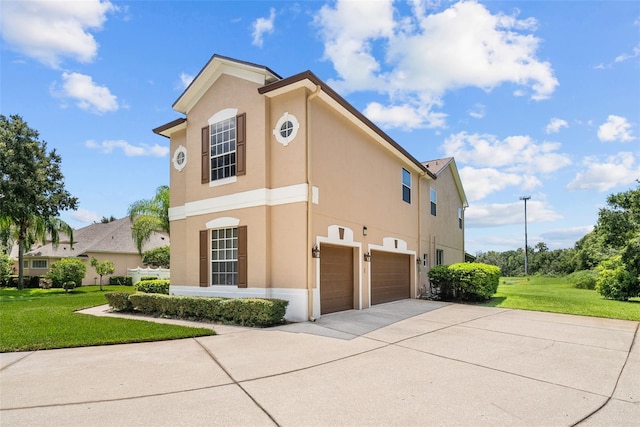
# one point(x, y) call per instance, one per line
point(280, 188)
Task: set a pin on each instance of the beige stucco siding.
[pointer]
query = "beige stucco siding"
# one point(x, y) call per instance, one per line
point(442, 231)
point(358, 180)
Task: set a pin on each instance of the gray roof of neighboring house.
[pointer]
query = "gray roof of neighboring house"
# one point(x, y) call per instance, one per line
point(111, 237)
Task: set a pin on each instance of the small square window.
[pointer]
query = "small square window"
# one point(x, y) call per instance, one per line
point(406, 186)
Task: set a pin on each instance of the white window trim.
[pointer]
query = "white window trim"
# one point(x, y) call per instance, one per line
point(221, 115)
point(183, 150)
point(285, 140)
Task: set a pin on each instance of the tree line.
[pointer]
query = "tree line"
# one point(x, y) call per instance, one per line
point(611, 251)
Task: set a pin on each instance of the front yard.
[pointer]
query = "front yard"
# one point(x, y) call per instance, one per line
point(38, 319)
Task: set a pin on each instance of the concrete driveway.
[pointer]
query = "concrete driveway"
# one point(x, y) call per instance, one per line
point(405, 363)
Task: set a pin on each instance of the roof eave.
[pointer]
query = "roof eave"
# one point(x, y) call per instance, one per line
point(310, 81)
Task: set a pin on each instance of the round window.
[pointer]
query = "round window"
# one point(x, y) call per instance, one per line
point(286, 129)
point(180, 158)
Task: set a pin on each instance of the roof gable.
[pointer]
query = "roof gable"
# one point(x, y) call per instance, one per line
point(438, 166)
point(217, 66)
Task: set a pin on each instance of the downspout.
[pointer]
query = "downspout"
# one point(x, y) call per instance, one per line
point(309, 205)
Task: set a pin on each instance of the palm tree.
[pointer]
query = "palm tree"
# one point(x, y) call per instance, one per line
point(149, 216)
point(28, 232)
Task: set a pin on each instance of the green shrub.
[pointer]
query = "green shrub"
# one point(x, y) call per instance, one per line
point(614, 281)
point(153, 286)
point(67, 286)
point(158, 257)
point(465, 281)
point(240, 311)
point(121, 280)
point(66, 270)
point(147, 278)
point(119, 301)
point(583, 279)
point(441, 282)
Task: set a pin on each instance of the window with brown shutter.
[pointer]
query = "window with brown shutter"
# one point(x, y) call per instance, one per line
point(206, 164)
point(242, 257)
point(241, 149)
point(204, 258)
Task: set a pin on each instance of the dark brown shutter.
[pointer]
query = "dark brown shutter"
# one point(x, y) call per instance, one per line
point(242, 256)
point(241, 148)
point(206, 158)
point(204, 258)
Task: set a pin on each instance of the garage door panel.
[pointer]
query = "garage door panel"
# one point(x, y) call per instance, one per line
point(336, 279)
point(390, 277)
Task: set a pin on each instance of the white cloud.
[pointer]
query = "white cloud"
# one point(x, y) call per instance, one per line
point(428, 55)
point(49, 31)
point(84, 215)
point(185, 80)
point(479, 183)
point(565, 237)
point(87, 94)
point(494, 214)
point(603, 175)
point(519, 154)
point(263, 26)
point(478, 111)
point(627, 56)
point(615, 129)
point(403, 116)
point(555, 125)
point(107, 147)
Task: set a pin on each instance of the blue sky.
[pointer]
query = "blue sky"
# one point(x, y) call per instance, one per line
point(538, 98)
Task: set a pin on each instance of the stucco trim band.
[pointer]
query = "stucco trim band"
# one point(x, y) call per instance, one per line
point(247, 199)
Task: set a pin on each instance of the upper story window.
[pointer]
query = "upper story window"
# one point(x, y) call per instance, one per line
point(286, 129)
point(223, 149)
point(434, 201)
point(439, 257)
point(406, 185)
point(459, 217)
point(223, 146)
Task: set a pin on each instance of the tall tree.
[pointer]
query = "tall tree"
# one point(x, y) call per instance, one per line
point(149, 216)
point(32, 185)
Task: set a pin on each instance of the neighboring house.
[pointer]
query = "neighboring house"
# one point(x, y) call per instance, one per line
point(280, 188)
point(110, 241)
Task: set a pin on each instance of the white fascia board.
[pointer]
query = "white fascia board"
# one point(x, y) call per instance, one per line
point(171, 131)
point(247, 199)
point(209, 76)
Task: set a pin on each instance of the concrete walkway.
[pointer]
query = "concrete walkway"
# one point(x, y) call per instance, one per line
point(405, 363)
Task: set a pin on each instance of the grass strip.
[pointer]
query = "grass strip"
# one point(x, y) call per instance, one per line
point(556, 295)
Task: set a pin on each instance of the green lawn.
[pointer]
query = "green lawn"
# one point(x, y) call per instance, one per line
point(558, 296)
point(37, 319)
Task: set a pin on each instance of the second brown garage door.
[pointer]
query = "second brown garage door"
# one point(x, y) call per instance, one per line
point(336, 279)
point(390, 277)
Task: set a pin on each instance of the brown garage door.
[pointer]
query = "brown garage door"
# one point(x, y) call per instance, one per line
point(390, 277)
point(336, 279)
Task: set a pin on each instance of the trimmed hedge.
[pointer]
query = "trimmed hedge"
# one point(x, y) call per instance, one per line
point(240, 311)
point(119, 301)
point(121, 280)
point(465, 281)
point(153, 286)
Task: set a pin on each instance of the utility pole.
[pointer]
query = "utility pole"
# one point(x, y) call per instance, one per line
point(526, 245)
